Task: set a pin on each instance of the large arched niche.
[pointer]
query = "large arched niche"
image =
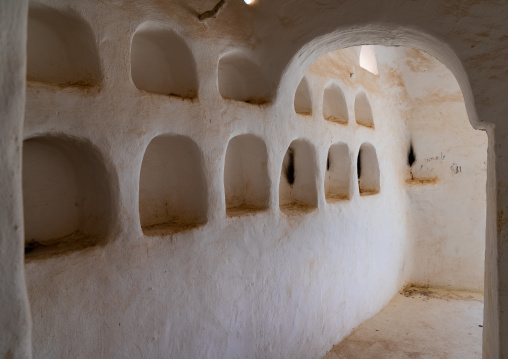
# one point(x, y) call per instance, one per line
point(61, 48)
point(172, 186)
point(240, 78)
point(68, 195)
point(162, 63)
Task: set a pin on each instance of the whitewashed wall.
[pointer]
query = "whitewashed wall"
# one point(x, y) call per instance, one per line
point(262, 285)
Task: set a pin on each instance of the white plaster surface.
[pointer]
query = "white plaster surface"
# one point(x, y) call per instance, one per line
point(257, 286)
point(262, 285)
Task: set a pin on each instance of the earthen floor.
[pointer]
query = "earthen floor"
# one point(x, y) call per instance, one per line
point(419, 323)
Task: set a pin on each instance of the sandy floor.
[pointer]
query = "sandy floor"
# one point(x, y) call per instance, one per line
point(419, 323)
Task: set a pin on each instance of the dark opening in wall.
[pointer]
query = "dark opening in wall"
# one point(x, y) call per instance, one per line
point(246, 181)
point(363, 111)
point(162, 63)
point(67, 200)
point(61, 49)
point(241, 79)
point(172, 186)
point(334, 105)
point(303, 98)
point(411, 156)
point(338, 174)
point(298, 187)
point(368, 170)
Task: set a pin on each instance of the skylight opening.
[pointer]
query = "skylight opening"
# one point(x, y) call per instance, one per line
point(368, 59)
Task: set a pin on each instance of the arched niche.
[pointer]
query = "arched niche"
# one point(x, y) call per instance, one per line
point(334, 105)
point(172, 186)
point(368, 170)
point(240, 79)
point(61, 49)
point(303, 98)
point(298, 178)
point(363, 111)
point(67, 197)
point(162, 63)
point(246, 181)
point(338, 173)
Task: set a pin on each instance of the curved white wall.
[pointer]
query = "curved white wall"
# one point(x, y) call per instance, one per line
point(264, 286)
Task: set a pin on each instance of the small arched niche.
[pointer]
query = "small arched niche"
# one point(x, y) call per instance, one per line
point(338, 173)
point(368, 170)
point(298, 179)
point(363, 111)
point(303, 98)
point(240, 79)
point(334, 105)
point(172, 186)
point(66, 196)
point(162, 63)
point(246, 181)
point(61, 49)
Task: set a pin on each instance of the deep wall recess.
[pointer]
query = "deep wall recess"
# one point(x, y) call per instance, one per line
point(66, 196)
point(338, 173)
point(246, 181)
point(162, 63)
point(303, 98)
point(368, 170)
point(334, 105)
point(172, 186)
point(241, 79)
point(363, 110)
point(61, 49)
point(298, 183)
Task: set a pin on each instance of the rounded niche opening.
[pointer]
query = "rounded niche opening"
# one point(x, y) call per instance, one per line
point(363, 111)
point(303, 98)
point(368, 170)
point(61, 49)
point(172, 186)
point(246, 181)
point(338, 173)
point(67, 199)
point(162, 63)
point(334, 105)
point(241, 79)
point(298, 179)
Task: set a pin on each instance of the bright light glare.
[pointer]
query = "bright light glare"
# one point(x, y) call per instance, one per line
point(368, 59)
point(248, 2)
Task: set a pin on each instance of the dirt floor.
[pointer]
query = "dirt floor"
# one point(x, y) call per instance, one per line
point(419, 323)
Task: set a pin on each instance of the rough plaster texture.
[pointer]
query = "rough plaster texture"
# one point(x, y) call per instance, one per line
point(14, 312)
point(240, 265)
